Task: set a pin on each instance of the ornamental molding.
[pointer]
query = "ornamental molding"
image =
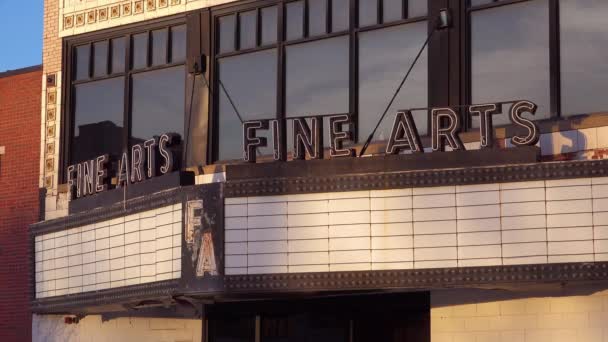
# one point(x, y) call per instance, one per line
point(422, 178)
point(80, 301)
point(421, 279)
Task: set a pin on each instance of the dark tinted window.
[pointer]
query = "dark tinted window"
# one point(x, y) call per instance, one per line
point(118, 55)
point(317, 17)
point(98, 119)
point(139, 51)
point(384, 57)
point(317, 77)
point(269, 25)
point(227, 26)
point(368, 12)
point(295, 20)
point(178, 44)
point(511, 63)
point(340, 15)
point(305, 327)
point(250, 80)
point(82, 58)
point(157, 103)
point(584, 56)
point(159, 47)
point(247, 27)
point(232, 329)
point(392, 10)
point(153, 105)
point(480, 2)
point(417, 8)
point(100, 59)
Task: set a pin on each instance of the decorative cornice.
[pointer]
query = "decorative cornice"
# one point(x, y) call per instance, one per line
point(80, 301)
point(424, 279)
point(418, 178)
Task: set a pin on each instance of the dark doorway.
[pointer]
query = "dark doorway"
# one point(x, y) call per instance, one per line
point(357, 318)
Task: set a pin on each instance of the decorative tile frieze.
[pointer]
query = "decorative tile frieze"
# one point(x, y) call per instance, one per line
point(90, 17)
point(48, 181)
point(49, 164)
point(50, 148)
point(115, 12)
point(49, 119)
point(51, 114)
point(102, 14)
point(138, 7)
point(50, 131)
point(80, 19)
point(126, 9)
point(51, 97)
point(68, 22)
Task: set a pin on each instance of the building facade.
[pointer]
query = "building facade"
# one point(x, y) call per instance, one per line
point(19, 197)
point(323, 170)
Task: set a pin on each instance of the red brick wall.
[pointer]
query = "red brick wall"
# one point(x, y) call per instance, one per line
point(19, 199)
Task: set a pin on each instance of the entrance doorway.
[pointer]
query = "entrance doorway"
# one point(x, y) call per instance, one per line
point(361, 318)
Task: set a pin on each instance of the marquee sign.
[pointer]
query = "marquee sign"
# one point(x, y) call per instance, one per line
point(153, 157)
point(445, 128)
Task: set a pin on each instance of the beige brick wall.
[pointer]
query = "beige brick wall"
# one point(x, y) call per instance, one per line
point(480, 316)
point(52, 328)
point(52, 42)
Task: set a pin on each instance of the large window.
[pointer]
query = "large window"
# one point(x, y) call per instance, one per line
point(324, 57)
point(286, 59)
point(510, 56)
point(551, 52)
point(125, 88)
point(584, 55)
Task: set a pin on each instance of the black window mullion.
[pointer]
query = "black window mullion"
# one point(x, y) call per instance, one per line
point(380, 10)
point(305, 29)
point(127, 92)
point(149, 49)
point(404, 9)
point(281, 76)
point(554, 55)
point(258, 27)
point(354, 69)
point(108, 57)
point(465, 55)
point(91, 60)
point(330, 9)
point(168, 58)
point(237, 32)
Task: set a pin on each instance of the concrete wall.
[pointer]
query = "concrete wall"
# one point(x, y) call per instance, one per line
point(491, 316)
point(51, 328)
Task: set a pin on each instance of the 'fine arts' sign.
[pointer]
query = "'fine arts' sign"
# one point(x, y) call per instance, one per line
point(445, 128)
point(153, 157)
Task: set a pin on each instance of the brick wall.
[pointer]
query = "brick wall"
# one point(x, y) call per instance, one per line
point(493, 316)
point(51, 43)
point(19, 134)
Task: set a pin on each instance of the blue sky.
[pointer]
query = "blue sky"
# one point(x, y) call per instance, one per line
point(20, 33)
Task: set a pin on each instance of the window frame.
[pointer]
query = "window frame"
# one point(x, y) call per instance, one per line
point(126, 32)
point(281, 45)
point(554, 59)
